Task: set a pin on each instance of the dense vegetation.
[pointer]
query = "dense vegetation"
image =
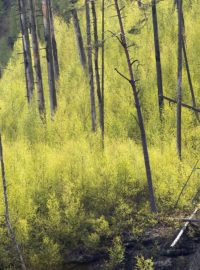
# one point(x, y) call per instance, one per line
point(66, 193)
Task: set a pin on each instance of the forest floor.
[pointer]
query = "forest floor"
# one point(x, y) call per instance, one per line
point(155, 245)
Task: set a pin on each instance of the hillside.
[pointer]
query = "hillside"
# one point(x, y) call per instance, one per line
point(67, 195)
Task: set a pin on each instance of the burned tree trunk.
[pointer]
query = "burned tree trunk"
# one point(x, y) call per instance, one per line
point(179, 78)
point(189, 79)
point(157, 57)
point(79, 38)
point(53, 40)
point(7, 214)
point(36, 55)
point(96, 61)
point(26, 50)
point(124, 44)
point(103, 68)
point(90, 67)
point(49, 56)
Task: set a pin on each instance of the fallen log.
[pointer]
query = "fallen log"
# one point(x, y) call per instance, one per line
point(183, 228)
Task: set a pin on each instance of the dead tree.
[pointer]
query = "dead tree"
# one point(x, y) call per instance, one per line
point(179, 79)
point(49, 55)
point(132, 82)
point(96, 61)
point(36, 55)
point(7, 213)
point(54, 43)
point(79, 38)
point(157, 57)
point(190, 79)
point(26, 50)
point(90, 67)
point(103, 68)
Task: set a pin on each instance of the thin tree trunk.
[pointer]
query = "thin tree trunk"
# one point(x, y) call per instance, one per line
point(157, 57)
point(54, 43)
point(179, 78)
point(49, 56)
point(189, 79)
point(79, 38)
point(36, 55)
point(90, 68)
point(27, 50)
point(139, 113)
point(103, 70)
point(7, 214)
point(96, 60)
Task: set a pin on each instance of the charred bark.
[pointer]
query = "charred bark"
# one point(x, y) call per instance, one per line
point(26, 50)
point(179, 79)
point(90, 67)
point(103, 69)
point(96, 61)
point(36, 55)
point(49, 56)
point(157, 57)
point(79, 38)
point(124, 44)
point(54, 43)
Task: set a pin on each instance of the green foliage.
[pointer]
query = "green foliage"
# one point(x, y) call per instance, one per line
point(65, 193)
point(144, 264)
point(116, 253)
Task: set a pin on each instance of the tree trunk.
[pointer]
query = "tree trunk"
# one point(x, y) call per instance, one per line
point(103, 69)
point(190, 80)
point(49, 56)
point(26, 50)
point(96, 61)
point(90, 68)
point(179, 78)
point(54, 44)
point(79, 38)
point(36, 55)
point(139, 113)
point(7, 214)
point(157, 57)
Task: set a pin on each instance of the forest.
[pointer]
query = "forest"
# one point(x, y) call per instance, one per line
point(99, 134)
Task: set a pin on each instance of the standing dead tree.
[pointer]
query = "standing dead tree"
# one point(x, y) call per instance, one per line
point(190, 79)
point(102, 67)
point(96, 62)
point(132, 82)
point(49, 55)
point(157, 57)
point(7, 214)
point(79, 38)
point(90, 67)
point(26, 50)
point(54, 43)
point(36, 56)
point(179, 79)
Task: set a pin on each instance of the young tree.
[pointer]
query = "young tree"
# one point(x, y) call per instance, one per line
point(79, 38)
point(36, 55)
point(179, 78)
point(54, 43)
point(132, 82)
point(90, 67)
point(49, 55)
point(157, 56)
point(26, 50)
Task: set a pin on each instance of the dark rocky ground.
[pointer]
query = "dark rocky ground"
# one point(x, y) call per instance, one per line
point(155, 244)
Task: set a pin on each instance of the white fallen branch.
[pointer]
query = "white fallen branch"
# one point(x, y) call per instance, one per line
point(184, 228)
